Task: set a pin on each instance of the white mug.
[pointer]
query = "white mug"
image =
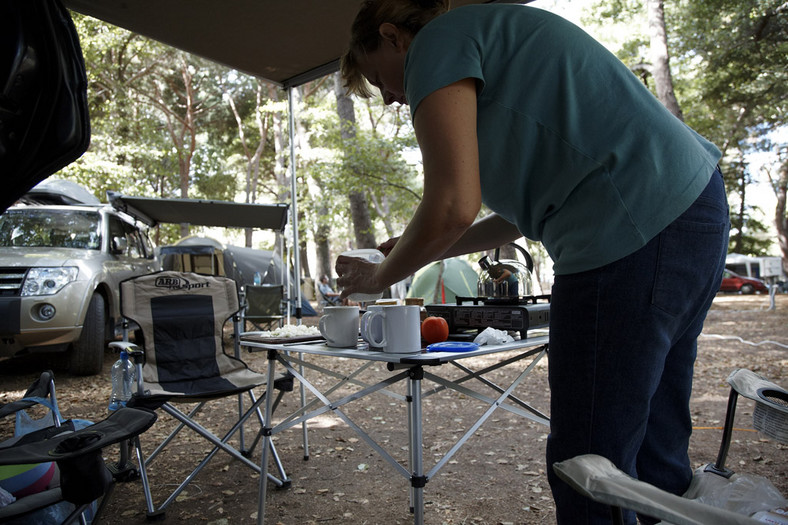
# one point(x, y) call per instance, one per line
point(372, 331)
point(400, 329)
point(339, 326)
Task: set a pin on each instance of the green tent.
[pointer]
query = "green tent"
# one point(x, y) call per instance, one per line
point(444, 281)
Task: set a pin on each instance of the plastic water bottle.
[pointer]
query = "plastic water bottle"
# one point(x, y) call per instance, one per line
point(371, 255)
point(257, 279)
point(124, 378)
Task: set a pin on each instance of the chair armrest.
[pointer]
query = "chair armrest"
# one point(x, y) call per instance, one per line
point(598, 478)
point(122, 424)
point(771, 402)
point(125, 345)
point(748, 383)
point(136, 353)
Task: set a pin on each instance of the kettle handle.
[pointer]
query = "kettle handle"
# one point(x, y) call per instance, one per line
point(529, 262)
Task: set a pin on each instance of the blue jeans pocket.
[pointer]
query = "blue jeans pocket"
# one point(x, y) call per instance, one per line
point(692, 252)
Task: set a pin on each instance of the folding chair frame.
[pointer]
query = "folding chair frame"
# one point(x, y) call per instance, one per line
point(48, 448)
point(598, 479)
point(219, 444)
point(185, 419)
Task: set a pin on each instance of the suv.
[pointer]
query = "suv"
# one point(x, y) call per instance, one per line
point(60, 267)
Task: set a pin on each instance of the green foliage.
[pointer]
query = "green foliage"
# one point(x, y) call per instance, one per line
point(212, 178)
point(141, 127)
point(742, 94)
point(742, 47)
point(371, 162)
point(748, 235)
point(728, 63)
point(165, 234)
point(615, 10)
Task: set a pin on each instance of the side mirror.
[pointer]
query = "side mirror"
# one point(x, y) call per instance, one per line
point(119, 245)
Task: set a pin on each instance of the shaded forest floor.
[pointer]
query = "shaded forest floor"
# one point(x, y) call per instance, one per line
point(498, 477)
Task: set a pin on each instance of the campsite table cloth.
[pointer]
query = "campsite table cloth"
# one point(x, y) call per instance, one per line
point(413, 369)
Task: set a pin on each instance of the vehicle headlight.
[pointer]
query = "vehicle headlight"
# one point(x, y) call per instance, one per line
point(48, 281)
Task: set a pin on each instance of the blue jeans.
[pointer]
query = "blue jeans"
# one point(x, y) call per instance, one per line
point(623, 341)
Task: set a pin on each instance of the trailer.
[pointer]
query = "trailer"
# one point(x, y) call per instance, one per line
point(768, 268)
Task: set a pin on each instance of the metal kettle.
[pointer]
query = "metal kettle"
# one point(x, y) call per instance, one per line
point(505, 278)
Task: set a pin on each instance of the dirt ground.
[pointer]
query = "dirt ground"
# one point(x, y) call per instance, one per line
point(497, 478)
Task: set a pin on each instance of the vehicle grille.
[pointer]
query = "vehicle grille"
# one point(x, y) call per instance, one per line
point(11, 280)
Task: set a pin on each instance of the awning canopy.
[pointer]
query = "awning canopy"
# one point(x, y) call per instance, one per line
point(200, 212)
point(287, 42)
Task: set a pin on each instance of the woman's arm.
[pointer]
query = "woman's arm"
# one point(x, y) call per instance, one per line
point(445, 125)
point(485, 234)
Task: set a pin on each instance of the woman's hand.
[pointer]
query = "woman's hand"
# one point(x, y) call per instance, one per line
point(387, 246)
point(355, 275)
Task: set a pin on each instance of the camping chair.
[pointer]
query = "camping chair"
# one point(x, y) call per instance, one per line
point(597, 478)
point(325, 300)
point(263, 306)
point(181, 360)
point(60, 471)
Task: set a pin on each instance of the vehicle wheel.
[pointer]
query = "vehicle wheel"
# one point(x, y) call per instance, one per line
point(747, 289)
point(87, 353)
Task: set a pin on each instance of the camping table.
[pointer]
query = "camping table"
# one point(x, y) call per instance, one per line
point(412, 368)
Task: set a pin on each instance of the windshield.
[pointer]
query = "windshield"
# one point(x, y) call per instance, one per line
point(50, 228)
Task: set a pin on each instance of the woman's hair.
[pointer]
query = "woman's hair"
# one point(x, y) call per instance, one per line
point(408, 15)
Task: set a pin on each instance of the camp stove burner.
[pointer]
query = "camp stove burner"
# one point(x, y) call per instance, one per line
point(473, 314)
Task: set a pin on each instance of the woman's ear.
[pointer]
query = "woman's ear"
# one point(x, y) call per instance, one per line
point(390, 34)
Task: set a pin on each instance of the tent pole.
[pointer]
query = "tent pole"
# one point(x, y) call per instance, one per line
point(294, 208)
point(297, 252)
point(284, 275)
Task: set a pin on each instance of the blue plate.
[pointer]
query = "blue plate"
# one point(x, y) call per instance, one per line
point(452, 346)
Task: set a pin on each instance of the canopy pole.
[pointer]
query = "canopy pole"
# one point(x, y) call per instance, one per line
point(297, 254)
point(284, 274)
point(294, 208)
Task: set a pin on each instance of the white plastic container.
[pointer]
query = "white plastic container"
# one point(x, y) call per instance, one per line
point(371, 255)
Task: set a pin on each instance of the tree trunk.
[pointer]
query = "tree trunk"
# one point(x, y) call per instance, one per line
point(181, 126)
point(323, 253)
point(252, 158)
point(738, 239)
point(305, 270)
point(780, 186)
point(359, 208)
point(382, 207)
point(362, 225)
point(660, 57)
point(321, 234)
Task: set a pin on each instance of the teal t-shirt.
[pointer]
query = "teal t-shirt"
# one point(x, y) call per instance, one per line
point(573, 148)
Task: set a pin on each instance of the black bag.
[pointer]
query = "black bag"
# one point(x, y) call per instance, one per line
point(43, 95)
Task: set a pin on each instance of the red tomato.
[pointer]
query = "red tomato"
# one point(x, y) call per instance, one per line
point(435, 329)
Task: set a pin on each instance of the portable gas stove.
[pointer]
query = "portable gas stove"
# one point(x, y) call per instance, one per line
point(473, 314)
